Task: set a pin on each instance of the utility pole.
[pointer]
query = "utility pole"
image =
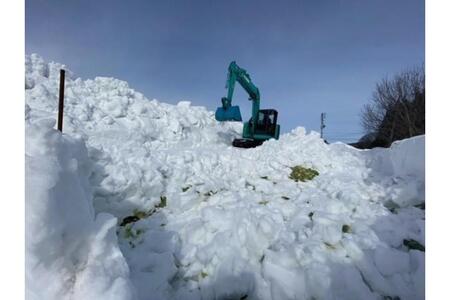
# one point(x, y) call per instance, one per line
point(322, 124)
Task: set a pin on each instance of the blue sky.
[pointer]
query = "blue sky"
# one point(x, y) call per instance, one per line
point(306, 57)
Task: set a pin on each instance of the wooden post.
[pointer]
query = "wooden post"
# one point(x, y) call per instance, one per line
point(61, 99)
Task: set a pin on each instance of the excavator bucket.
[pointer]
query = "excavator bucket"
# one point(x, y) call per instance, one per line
point(228, 112)
point(232, 113)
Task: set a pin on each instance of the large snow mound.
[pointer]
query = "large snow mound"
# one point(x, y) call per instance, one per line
point(216, 222)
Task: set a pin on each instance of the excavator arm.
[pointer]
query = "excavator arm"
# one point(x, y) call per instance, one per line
point(232, 113)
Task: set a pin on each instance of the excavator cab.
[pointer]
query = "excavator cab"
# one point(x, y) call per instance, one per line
point(267, 122)
point(266, 128)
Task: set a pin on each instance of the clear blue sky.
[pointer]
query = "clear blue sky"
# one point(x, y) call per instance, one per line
point(306, 57)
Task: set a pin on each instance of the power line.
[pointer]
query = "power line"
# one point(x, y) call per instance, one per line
point(343, 135)
point(346, 133)
point(336, 135)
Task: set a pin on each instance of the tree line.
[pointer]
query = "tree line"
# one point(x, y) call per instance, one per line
point(396, 110)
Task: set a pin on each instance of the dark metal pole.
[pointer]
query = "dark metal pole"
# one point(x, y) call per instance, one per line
point(62, 74)
point(322, 124)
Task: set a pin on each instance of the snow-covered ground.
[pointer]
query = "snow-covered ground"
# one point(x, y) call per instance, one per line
point(213, 221)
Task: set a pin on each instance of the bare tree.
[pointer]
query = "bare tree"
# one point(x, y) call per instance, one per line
point(397, 108)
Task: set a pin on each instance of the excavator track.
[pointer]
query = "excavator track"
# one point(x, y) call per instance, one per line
point(246, 143)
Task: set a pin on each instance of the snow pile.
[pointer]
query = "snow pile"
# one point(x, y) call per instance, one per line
point(404, 158)
point(70, 252)
point(122, 129)
point(216, 222)
point(402, 164)
point(408, 157)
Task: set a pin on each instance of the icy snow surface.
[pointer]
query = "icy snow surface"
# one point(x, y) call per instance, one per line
point(235, 226)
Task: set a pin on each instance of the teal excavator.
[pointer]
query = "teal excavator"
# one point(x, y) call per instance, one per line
point(262, 126)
